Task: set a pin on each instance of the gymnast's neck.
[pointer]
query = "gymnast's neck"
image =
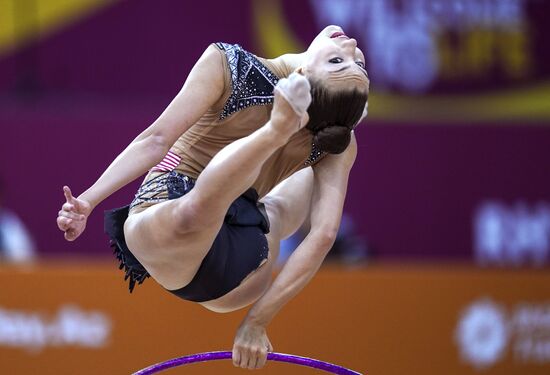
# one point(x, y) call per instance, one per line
point(292, 61)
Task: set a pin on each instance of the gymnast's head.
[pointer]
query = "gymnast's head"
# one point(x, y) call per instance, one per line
point(335, 68)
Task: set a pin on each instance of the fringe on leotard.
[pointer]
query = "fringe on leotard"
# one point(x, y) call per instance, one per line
point(114, 227)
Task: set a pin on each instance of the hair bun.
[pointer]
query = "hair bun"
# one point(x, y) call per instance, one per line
point(333, 114)
point(332, 138)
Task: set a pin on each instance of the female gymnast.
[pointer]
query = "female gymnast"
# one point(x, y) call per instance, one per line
point(245, 151)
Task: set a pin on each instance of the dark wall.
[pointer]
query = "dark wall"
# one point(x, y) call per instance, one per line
point(72, 100)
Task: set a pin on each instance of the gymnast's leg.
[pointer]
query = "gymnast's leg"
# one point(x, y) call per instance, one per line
point(287, 205)
point(172, 238)
point(234, 169)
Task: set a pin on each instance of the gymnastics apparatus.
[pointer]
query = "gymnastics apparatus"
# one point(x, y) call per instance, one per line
point(278, 357)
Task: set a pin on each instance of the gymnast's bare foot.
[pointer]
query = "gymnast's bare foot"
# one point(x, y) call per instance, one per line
point(292, 98)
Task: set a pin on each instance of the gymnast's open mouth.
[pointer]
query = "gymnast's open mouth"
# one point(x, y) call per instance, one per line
point(339, 34)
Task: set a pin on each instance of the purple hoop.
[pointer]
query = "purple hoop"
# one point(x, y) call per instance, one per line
point(279, 357)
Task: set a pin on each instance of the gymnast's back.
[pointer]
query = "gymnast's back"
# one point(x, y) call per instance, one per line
point(245, 106)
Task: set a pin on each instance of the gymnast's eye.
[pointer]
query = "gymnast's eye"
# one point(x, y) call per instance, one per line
point(360, 63)
point(336, 60)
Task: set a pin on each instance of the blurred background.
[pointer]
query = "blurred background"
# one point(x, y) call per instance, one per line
point(442, 263)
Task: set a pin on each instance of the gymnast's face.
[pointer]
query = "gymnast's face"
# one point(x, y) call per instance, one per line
point(334, 58)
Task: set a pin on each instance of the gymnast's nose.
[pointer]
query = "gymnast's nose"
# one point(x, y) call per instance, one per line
point(350, 44)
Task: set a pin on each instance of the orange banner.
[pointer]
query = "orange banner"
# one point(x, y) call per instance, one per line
point(80, 319)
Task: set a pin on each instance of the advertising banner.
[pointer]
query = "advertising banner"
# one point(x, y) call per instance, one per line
point(384, 320)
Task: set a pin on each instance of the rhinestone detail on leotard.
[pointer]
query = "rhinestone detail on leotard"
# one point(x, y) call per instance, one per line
point(251, 81)
point(314, 155)
point(252, 84)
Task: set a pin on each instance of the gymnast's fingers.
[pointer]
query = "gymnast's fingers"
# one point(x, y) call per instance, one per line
point(236, 356)
point(68, 207)
point(63, 223)
point(68, 194)
point(71, 215)
point(262, 358)
point(252, 358)
point(70, 235)
point(245, 359)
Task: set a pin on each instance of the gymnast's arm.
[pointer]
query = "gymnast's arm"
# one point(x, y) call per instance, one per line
point(203, 88)
point(331, 179)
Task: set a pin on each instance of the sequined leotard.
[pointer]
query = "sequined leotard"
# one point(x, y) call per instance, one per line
point(247, 104)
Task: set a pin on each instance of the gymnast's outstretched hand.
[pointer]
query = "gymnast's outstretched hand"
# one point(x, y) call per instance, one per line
point(251, 346)
point(73, 215)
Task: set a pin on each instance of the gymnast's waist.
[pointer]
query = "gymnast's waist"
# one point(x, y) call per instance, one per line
point(160, 186)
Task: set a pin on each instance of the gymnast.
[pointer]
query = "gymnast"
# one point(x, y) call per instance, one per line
point(246, 151)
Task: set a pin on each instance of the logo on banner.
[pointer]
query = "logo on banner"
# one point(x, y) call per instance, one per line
point(514, 235)
point(71, 326)
point(409, 44)
point(486, 330)
point(482, 333)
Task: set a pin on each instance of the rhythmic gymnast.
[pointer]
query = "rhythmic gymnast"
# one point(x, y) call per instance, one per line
point(246, 150)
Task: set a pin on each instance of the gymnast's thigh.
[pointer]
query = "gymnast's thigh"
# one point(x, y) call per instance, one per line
point(168, 248)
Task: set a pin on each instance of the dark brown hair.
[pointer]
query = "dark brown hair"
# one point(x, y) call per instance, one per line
point(332, 116)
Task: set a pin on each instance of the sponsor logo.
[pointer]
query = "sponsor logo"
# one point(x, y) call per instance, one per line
point(482, 333)
point(486, 330)
point(515, 235)
point(408, 44)
point(70, 326)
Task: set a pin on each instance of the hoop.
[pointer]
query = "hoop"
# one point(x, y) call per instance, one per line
point(278, 357)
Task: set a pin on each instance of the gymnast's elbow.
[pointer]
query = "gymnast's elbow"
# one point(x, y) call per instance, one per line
point(325, 237)
point(156, 146)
